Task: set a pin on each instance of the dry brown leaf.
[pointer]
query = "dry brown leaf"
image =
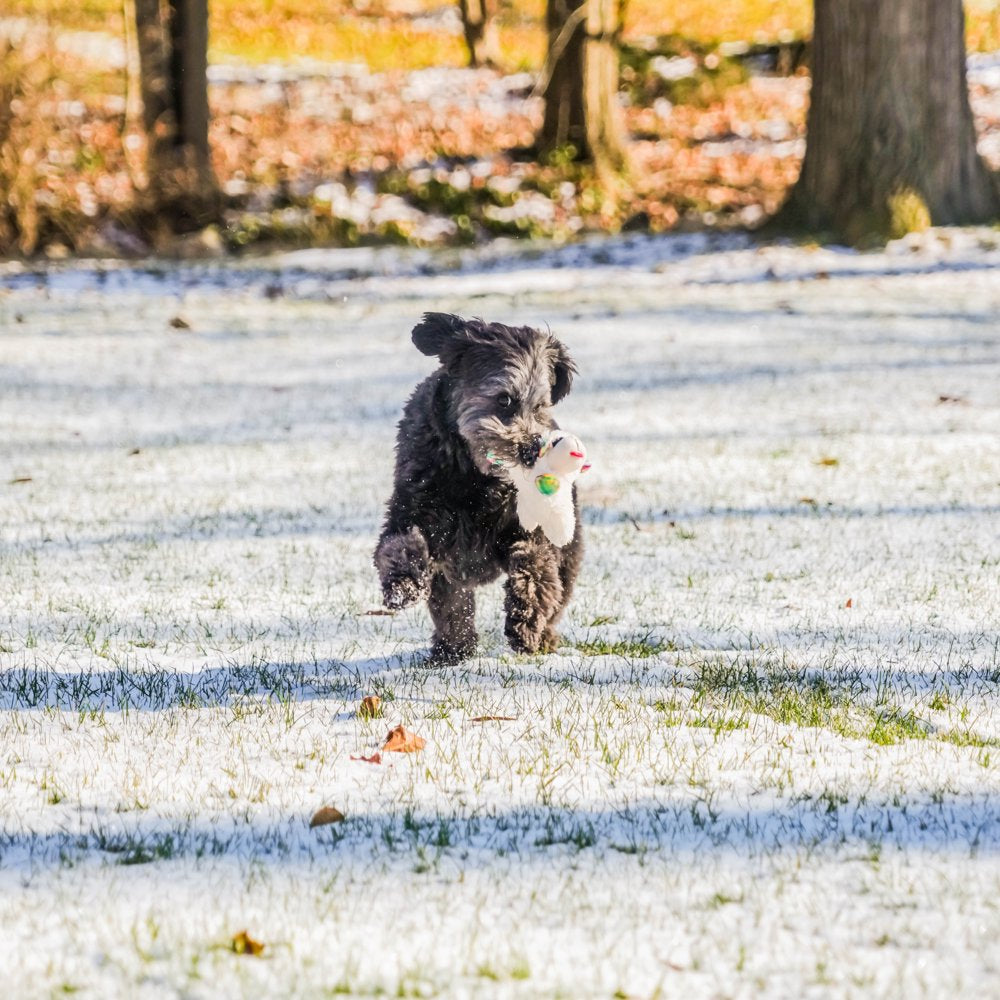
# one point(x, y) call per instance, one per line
point(828, 460)
point(371, 707)
point(243, 944)
point(326, 816)
point(375, 758)
point(850, 602)
point(180, 323)
point(401, 740)
point(494, 718)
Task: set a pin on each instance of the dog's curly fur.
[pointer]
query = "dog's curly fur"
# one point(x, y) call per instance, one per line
point(451, 523)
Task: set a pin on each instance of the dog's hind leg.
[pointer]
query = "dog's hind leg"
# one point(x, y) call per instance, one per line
point(453, 609)
point(403, 565)
point(534, 596)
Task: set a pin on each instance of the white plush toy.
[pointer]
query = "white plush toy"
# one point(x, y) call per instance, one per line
point(545, 491)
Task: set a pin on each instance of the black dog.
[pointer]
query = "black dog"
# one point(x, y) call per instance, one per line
point(451, 523)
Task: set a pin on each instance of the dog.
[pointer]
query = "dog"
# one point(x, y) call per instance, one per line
point(451, 523)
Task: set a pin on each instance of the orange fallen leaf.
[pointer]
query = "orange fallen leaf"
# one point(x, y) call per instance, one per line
point(326, 816)
point(243, 944)
point(828, 460)
point(850, 602)
point(375, 758)
point(401, 740)
point(494, 718)
point(371, 707)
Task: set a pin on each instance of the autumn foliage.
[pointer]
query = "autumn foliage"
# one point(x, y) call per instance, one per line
point(335, 153)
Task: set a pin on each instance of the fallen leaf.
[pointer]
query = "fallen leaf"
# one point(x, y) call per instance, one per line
point(828, 460)
point(494, 718)
point(375, 758)
point(808, 500)
point(134, 451)
point(243, 944)
point(180, 323)
point(401, 740)
point(326, 816)
point(371, 707)
point(20, 479)
point(850, 602)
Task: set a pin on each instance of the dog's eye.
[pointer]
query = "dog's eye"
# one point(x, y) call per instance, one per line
point(505, 401)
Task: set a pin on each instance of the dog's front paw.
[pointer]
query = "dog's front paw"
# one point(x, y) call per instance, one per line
point(551, 640)
point(446, 654)
point(402, 591)
point(526, 633)
point(403, 564)
point(534, 595)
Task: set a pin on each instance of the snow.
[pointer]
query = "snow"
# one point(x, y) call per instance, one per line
point(765, 763)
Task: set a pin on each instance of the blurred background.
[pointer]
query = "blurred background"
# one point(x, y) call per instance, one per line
point(336, 123)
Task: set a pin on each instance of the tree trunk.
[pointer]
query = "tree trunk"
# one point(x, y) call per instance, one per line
point(891, 145)
point(582, 115)
point(172, 42)
point(480, 31)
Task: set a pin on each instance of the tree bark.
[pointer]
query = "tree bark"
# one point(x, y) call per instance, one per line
point(480, 31)
point(891, 144)
point(582, 115)
point(172, 42)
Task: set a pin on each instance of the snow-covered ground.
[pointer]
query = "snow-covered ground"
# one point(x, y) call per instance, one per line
point(766, 763)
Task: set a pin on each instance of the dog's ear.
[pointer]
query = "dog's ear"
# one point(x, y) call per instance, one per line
point(563, 370)
point(440, 335)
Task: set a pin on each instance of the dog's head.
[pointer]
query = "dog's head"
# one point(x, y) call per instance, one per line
point(503, 380)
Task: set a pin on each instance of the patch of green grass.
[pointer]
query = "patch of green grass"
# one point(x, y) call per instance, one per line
point(577, 834)
point(717, 721)
point(720, 899)
point(894, 727)
point(138, 851)
point(807, 701)
point(940, 701)
point(630, 648)
point(967, 738)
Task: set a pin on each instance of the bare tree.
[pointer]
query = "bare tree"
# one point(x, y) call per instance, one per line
point(581, 84)
point(171, 39)
point(891, 145)
point(479, 27)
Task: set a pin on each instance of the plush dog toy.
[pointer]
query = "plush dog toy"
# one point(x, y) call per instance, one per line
point(545, 491)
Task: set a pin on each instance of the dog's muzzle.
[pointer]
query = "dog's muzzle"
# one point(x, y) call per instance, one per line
point(528, 452)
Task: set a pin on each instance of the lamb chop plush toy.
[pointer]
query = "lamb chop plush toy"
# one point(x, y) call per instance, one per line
point(545, 491)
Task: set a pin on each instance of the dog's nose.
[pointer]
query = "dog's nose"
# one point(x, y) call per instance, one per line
point(529, 451)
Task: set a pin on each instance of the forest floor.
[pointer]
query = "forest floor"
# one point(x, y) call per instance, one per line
point(313, 151)
point(765, 762)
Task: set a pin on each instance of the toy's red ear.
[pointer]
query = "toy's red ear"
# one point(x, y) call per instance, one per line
point(563, 370)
